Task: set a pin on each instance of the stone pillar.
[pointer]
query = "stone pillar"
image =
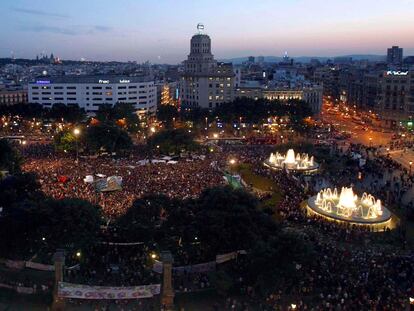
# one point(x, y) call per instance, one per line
point(59, 263)
point(167, 291)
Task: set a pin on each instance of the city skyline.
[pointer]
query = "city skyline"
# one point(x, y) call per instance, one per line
point(159, 32)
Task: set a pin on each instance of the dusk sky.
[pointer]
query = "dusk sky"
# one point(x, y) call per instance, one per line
point(160, 30)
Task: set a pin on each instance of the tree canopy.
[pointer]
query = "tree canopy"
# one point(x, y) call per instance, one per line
point(110, 138)
point(166, 114)
point(121, 114)
point(254, 111)
point(69, 113)
point(10, 159)
point(64, 141)
point(172, 141)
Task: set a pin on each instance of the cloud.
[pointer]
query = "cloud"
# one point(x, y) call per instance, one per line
point(68, 30)
point(39, 13)
point(102, 28)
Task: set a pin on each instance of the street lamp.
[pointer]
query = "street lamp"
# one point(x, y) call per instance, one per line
point(76, 132)
point(411, 163)
point(206, 123)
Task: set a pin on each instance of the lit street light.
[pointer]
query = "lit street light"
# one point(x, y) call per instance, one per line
point(411, 163)
point(76, 132)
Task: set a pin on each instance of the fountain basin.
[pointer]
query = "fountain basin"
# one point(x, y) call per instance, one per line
point(302, 163)
point(349, 208)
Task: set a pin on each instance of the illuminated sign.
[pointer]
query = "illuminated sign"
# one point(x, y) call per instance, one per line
point(124, 81)
point(104, 81)
point(397, 73)
point(42, 82)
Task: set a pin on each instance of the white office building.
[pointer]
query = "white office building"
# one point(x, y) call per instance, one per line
point(90, 92)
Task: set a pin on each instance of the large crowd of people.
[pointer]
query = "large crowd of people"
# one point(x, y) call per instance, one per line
point(61, 177)
point(350, 272)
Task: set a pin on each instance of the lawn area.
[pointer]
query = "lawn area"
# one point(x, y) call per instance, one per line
point(260, 183)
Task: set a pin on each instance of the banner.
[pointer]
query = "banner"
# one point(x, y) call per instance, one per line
point(39, 266)
point(78, 291)
point(15, 264)
point(122, 243)
point(202, 267)
point(199, 268)
point(226, 257)
point(112, 183)
point(25, 290)
point(2, 285)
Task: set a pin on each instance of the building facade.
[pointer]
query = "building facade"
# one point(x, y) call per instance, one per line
point(395, 56)
point(90, 92)
point(205, 83)
point(12, 97)
point(396, 96)
point(311, 95)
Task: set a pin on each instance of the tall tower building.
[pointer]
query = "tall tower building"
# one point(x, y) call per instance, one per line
point(205, 83)
point(395, 56)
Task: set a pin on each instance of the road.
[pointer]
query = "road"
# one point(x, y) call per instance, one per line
point(369, 137)
point(403, 157)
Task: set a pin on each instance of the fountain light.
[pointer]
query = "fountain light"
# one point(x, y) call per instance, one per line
point(291, 161)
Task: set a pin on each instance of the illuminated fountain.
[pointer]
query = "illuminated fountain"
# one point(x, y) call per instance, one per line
point(349, 207)
point(290, 161)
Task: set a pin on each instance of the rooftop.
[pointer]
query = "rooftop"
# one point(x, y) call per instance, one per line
point(98, 79)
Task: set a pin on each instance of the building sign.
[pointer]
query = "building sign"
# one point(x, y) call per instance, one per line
point(42, 82)
point(103, 81)
point(397, 73)
point(78, 291)
point(124, 81)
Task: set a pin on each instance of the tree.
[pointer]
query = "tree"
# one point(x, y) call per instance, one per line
point(279, 259)
point(256, 111)
point(142, 222)
point(64, 141)
point(19, 230)
point(19, 221)
point(110, 138)
point(25, 110)
point(228, 220)
point(123, 115)
point(166, 114)
point(172, 141)
point(18, 189)
point(69, 113)
point(72, 224)
point(10, 159)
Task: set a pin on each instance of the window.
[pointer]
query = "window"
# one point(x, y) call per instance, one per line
point(71, 87)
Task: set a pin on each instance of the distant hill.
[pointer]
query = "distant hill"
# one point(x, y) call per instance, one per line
point(307, 59)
